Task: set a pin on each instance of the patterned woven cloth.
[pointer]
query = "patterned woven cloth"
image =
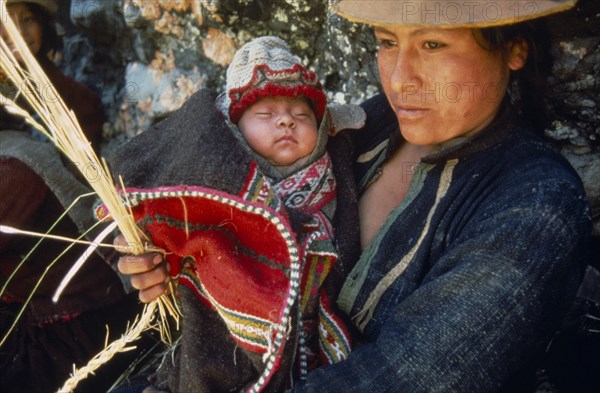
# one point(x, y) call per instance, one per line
point(241, 258)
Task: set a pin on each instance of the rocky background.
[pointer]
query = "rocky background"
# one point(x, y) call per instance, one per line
point(146, 57)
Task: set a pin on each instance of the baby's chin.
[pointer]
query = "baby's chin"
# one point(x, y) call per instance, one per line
point(286, 167)
point(290, 162)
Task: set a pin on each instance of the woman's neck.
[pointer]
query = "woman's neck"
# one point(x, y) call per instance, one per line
point(388, 190)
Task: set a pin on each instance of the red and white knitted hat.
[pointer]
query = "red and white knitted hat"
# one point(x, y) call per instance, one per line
point(265, 67)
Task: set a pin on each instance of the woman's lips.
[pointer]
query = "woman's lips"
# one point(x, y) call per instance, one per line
point(410, 111)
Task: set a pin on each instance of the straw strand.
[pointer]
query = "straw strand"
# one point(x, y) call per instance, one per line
point(60, 125)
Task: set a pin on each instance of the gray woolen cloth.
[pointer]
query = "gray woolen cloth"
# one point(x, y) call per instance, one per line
point(46, 162)
point(193, 146)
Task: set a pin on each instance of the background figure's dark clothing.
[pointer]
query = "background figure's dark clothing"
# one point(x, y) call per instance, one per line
point(49, 338)
point(39, 358)
point(28, 203)
point(79, 98)
point(37, 184)
point(470, 276)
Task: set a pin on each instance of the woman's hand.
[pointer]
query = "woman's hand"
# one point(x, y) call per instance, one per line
point(149, 272)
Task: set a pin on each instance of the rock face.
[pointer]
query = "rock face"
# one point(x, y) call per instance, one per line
point(146, 57)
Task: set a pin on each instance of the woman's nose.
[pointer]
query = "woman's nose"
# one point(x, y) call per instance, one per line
point(404, 77)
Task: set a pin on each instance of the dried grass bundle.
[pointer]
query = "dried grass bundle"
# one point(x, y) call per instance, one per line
point(60, 125)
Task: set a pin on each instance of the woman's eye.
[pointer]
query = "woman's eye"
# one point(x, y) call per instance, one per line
point(432, 45)
point(386, 44)
point(301, 114)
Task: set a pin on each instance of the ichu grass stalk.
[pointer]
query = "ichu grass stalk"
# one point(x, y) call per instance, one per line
point(60, 125)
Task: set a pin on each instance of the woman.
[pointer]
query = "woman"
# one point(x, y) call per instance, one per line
point(35, 21)
point(473, 230)
point(36, 188)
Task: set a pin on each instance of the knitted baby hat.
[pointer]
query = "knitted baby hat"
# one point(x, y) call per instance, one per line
point(266, 67)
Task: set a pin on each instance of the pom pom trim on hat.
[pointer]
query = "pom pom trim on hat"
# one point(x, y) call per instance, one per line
point(265, 82)
point(316, 97)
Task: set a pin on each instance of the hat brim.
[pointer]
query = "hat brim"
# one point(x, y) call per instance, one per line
point(435, 13)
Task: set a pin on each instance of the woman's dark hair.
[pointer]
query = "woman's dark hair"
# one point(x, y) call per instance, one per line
point(50, 40)
point(528, 85)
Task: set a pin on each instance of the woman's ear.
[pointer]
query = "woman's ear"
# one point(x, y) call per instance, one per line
point(517, 54)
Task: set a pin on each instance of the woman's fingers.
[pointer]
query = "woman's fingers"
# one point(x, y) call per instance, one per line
point(145, 280)
point(135, 264)
point(149, 294)
point(149, 273)
point(123, 246)
point(120, 241)
point(150, 283)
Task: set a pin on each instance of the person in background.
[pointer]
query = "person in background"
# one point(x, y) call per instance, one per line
point(473, 229)
point(37, 184)
point(35, 20)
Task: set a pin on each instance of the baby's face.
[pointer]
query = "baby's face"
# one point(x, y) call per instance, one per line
point(283, 130)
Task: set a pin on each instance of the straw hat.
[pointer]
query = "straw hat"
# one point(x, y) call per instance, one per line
point(49, 5)
point(449, 13)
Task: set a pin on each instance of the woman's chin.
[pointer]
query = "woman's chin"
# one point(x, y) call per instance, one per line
point(419, 137)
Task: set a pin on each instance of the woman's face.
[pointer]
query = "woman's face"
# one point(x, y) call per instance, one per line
point(442, 83)
point(28, 25)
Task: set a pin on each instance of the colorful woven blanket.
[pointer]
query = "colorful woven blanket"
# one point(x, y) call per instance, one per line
point(241, 258)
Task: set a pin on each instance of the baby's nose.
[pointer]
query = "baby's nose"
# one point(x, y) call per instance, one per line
point(286, 120)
